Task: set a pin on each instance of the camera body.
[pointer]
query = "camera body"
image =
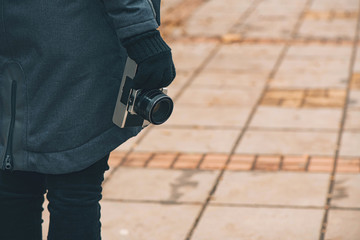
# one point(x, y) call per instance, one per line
point(140, 107)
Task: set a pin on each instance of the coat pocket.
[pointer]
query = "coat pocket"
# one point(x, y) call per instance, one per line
point(13, 111)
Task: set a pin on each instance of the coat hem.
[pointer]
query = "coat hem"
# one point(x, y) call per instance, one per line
point(79, 158)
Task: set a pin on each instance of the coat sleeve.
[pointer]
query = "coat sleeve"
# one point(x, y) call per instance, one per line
point(133, 17)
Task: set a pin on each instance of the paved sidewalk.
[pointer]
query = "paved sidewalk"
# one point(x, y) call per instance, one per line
point(264, 141)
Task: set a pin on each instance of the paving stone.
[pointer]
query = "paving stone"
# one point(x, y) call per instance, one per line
point(336, 93)
point(168, 4)
point(314, 65)
point(210, 116)
point(343, 224)
point(135, 159)
point(241, 162)
point(229, 79)
point(324, 102)
point(307, 98)
point(288, 7)
point(357, 63)
point(162, 160)
point(174, 20)
point(350, 144)
point(188, 161)
point(130, 221)
point(267, 26)
point(309, 80)
point(345, 165)
point(278, 103)
point(294, 163)
point(265, 29)
point(258, 223)
point(284, 94)
point(179, 81)
point(330, 15)
point(214, 161)
point(249, 65)
point(247, 58)
point(355, 79)
point(314, 72)
point(287, 142)
point(221, 19)
point(354, 100)
point(115, 159)
point(334, 29)
point(188, 57)
point(239, 98)
point(325, 52)
point(335, 5)
point(267, 163)
point(248, 50)
point(230, 38)
point(321, 164)
point(209, 26)
point(270, 21)
point(173, 92)
point(188, 140)
point(273, 188)
point(352, 120)
point(273, 117)
point(346, 191)
point(245, 50)
point(159, 185)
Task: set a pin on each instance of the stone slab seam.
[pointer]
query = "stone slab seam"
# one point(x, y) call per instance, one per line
point(342, 126)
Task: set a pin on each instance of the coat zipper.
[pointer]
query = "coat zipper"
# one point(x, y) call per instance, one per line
point(8, 161)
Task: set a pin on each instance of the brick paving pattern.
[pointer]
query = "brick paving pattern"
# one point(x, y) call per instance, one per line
point(236, 162)
point(264, 141)
point(307, 98)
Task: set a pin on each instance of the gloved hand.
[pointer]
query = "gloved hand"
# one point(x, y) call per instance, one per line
point(153, 56)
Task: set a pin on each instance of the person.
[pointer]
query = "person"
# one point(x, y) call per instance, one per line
point(61, 64)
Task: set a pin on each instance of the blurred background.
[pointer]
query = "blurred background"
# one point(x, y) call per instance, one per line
point(264, 140)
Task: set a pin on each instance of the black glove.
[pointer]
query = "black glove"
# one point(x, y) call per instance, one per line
point(153, 56)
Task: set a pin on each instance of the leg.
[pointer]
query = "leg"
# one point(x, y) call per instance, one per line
point(74, 203)
point(21, 199)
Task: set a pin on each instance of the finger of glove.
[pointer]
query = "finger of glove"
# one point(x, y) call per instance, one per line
point(168, 76)
point(166, 79)
point(153, 81)
point(173, 72)
point(141, 77)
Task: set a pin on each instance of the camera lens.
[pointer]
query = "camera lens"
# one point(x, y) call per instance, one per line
point(154, 106)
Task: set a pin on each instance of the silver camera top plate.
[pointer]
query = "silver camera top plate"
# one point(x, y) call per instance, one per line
point(121, 112)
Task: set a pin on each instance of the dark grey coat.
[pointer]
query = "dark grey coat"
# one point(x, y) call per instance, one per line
point(60, 70)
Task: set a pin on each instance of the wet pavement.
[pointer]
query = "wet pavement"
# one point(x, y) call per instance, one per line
point(264, 141)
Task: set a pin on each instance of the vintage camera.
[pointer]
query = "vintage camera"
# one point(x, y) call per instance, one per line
point(140, 107)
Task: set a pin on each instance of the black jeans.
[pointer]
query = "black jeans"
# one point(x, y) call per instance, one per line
point(73, 204)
